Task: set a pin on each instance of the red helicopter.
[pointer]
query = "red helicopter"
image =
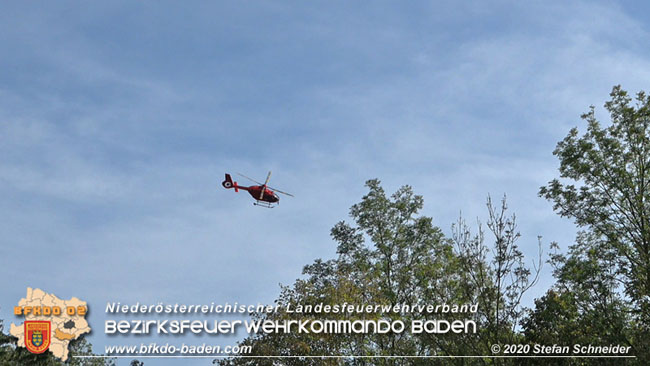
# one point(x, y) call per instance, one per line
point(263, 194)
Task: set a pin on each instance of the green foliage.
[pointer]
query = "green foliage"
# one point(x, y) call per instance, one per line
point(390, 255)
point(604, 187)
point(583, 307)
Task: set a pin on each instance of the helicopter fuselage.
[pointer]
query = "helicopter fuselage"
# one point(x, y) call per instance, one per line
point(268, 195)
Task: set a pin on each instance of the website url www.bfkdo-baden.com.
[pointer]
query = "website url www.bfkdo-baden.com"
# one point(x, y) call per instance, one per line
point(167, 349)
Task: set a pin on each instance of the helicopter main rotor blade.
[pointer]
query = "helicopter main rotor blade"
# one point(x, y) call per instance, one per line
point(264, 186)
point(279, 191)
point(267, 178)
point(251, 179)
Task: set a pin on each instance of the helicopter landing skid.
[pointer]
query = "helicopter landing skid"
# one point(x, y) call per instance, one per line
point(263, 204)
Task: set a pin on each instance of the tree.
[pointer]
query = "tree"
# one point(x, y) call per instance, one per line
point(389, 256)
point(604, 186)
point(583, 307)
point(496, 277)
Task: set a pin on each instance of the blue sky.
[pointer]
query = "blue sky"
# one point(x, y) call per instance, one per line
point(118, 120)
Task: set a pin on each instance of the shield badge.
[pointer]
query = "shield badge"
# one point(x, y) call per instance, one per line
point(37, 335)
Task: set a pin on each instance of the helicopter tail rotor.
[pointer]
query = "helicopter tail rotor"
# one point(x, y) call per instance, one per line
point(228, 183)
